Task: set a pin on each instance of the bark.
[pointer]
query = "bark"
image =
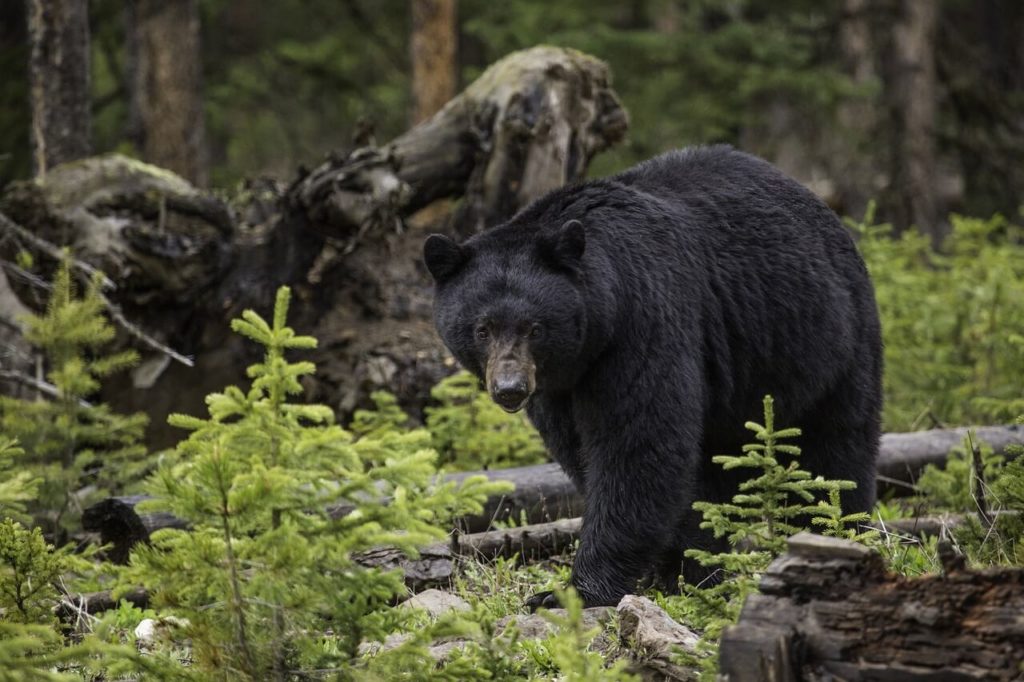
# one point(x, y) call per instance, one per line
point(829, 610)
point(433, 54)
point(59, 81)
point(436, 564)
point(543, 494)
point(166, 88)
point(913, 100)
point(903, 456)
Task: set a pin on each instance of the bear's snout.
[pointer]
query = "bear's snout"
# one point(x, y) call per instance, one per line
point(511, 374)
point(510, 392)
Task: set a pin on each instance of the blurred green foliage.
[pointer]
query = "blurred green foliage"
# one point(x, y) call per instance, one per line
point(952, 322)
point(289, 81)
point(471, 432)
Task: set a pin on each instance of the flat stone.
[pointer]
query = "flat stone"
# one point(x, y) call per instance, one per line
point(535, 626)
point(436, 602)
point(811, 544)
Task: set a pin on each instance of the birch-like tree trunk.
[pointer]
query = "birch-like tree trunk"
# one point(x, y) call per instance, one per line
point(912, 95)
point(433, 55)
point(167, 86)
point(59, 81)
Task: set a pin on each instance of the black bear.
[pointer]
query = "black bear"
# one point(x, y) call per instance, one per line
point(640, 319)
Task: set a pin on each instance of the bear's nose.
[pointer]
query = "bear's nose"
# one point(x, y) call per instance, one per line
point(510, 395)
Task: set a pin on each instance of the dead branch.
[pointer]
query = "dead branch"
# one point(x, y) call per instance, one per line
point(54, 251)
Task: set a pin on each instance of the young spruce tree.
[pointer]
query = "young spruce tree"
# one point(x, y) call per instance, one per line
point(778, 500)
point(265, 576)
point(78, 451)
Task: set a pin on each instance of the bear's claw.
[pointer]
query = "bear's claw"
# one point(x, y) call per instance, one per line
point(543, 600)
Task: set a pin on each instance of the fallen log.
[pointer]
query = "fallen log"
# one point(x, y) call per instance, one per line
point(903, 456)
point(543, 493)
point(829, 610)
point(436, 564)
point(73, 609)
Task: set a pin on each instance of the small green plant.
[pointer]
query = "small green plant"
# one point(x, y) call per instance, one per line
point(17, 488)
point(769, 505)
point(992, 530)
point(567, 652)
point(952, 486)
point(470, 432)
point(32, 646)
point(500, 587)
point(30, 570)
point(266, 579)
point(78, 451)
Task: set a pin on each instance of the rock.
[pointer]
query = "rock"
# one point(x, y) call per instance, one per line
point(535, 626)
point(436, 602)
point(655, 639)
point(151, 631)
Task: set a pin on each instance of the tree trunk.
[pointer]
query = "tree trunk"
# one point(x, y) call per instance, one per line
point(59, 77)
point(828, 610)
point(433, 54)
point(913, 101)
point(854, 158)
point(167, 85)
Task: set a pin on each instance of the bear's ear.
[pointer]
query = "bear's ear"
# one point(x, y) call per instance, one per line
point(564, 247)
point(443, 257)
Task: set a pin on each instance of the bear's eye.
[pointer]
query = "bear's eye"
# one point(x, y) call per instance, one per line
point(535, 331)
point(482, 333)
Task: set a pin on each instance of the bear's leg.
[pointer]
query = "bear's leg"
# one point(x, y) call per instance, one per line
point(641, 478)
point(843, 454)
point(552, 415)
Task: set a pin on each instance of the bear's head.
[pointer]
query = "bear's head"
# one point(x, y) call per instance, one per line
point(509, 305)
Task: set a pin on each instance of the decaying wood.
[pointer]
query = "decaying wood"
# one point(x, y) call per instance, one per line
point(434, 567)
point(531, 123)
point(829, 610)
point(344, 236)
point(940, 526)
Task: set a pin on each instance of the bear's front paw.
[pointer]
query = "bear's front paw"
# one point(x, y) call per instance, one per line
point(543, 600)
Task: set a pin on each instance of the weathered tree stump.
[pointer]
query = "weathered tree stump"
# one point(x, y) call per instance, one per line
point(343, 236)
point(829, 610)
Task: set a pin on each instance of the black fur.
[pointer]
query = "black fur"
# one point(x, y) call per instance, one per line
point(701, 281)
